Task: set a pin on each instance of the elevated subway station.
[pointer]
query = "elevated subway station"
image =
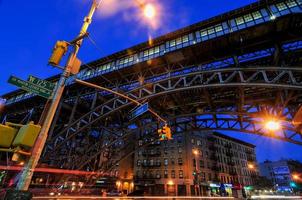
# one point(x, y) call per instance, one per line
point(225, 73)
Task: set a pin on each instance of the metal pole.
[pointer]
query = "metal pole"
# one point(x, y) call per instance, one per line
point(28, 170)
point(121, 95)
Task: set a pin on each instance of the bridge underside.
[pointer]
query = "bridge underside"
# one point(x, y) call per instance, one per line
point(233, 86)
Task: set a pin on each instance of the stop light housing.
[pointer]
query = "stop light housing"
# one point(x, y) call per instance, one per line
point(27, 135)
point(165, 133)
point(58, 52)
point(7, 135)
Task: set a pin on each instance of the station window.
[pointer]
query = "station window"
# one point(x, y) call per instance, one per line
point(126, 60)
point(256, 15)
point(239, 21)
point(179, 41)
point(281, 6)
point(291, 4)
point(151, 51)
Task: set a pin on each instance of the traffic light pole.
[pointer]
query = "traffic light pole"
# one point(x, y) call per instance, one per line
point(29, 168)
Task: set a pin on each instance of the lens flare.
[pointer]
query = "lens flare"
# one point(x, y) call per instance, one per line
point(149, 11)
point(272, 125)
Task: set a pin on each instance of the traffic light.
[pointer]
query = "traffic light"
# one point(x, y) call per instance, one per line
point(27, 135)
point(58, 52)
point(165, 133)
point(7, 135)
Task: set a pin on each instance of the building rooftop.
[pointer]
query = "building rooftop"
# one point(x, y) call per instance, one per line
point(233, 139)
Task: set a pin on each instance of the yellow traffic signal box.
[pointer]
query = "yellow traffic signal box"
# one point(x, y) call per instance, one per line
point(58, 52)
point(165, 133)
point(7, 135)
point(27, 135)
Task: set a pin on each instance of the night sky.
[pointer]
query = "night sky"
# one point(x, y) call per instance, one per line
point(29, 30)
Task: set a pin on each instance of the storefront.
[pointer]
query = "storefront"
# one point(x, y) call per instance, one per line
point(221, 189)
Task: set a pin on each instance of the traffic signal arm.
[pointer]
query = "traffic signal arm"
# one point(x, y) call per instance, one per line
point(15, 150)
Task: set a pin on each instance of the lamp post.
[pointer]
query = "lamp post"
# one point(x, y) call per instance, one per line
point(28, 170)
point(29, 167)
point(196, 173)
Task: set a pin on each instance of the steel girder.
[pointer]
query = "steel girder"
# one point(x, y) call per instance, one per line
point(185, 124)
point(281, 78)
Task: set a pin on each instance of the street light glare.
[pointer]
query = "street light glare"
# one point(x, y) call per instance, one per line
point(272, 125)
point(195, 152)
point(251, 166)
point(149, 11)
point(295, 177)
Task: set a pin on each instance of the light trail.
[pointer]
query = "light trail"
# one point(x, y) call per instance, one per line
point(140, 197)
point(276, 197)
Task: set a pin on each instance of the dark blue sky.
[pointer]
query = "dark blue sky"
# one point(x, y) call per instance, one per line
point(29, 30)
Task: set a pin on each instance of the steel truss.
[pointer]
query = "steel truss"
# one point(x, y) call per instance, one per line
point(242, 94)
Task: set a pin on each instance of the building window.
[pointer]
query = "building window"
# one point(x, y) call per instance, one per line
point(172, 161)
point(180, 161)
point(203, 176)
point(140, 143)
point(158, 163)
point(201, 164)
point(181, 173)
point(151, 162)
point(198, 142)
point(179, 150)
point(138, 162)
point(140, 152)
point(157, 174)
point(172, 173)
point(166, 162)
point(166, 173)
point(166, 150)
point(194, 162)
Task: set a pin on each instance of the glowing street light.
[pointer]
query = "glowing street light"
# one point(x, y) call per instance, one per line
point(149, 11)
point(195, 152)
point(170, 182)
point(251, 166)
point(272, 125)
point(295, 177)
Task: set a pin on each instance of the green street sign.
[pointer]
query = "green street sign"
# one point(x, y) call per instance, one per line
point(30, 87)
point(42, 83)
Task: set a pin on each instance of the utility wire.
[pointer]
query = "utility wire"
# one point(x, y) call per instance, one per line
point(94, 43)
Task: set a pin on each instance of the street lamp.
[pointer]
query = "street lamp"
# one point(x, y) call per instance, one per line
point(196, 173)
point(295, 177)
point(149, 11)
point(195, 152)
point(272, 125)
point(251, 166)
